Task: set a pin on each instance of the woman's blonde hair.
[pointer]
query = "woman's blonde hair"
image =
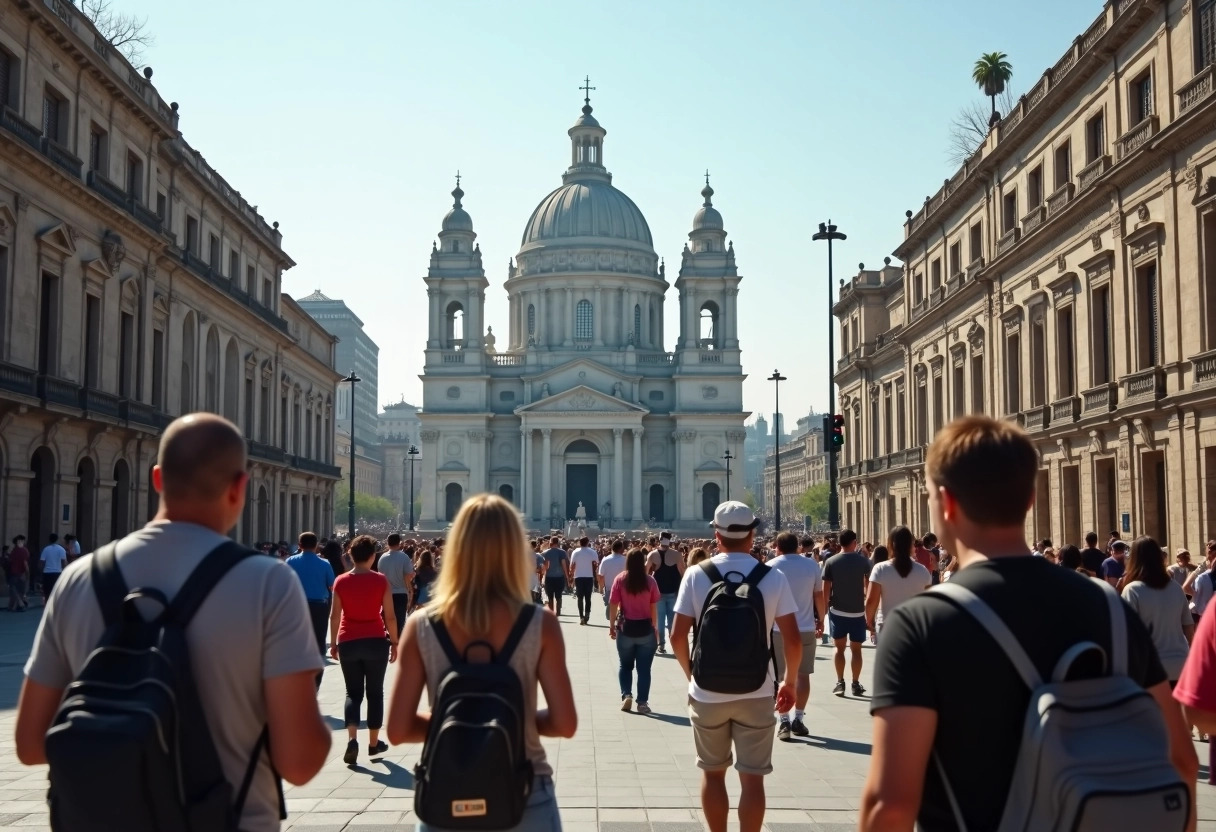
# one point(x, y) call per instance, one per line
point(696, 556)
point(486, 559)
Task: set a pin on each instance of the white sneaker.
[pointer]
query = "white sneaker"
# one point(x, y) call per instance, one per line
point(627, 703)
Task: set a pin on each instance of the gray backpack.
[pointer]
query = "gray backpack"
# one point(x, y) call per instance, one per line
point(1095, 753)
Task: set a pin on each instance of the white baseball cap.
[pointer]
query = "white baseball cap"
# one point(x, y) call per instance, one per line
point(734, 520)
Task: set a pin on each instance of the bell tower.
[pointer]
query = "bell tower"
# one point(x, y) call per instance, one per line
point(709, 287)
point(455, 285)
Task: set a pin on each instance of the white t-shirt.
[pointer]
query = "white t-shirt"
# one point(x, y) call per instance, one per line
point(896, 590)
point(584, 559)
point(54, 557)
point(610, 567)
point(805, 577)
point(778, 601)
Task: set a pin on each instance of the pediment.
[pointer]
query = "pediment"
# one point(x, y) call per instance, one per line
point(581, 399)
point(453, 465)
point(60, 237)
point(593, 369)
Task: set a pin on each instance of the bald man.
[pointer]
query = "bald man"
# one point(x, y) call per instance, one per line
point(251, 642)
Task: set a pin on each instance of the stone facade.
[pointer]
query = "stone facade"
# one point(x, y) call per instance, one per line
point(135, 285)
point(803, 464)
point(583, 404)
point(1065, 278)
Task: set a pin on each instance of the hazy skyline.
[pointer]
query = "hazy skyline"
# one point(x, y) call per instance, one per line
point(346, 123)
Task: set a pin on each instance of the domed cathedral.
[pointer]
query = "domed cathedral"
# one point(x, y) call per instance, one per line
point(581, 402)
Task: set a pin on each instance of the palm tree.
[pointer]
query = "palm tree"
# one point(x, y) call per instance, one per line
point(990, 74)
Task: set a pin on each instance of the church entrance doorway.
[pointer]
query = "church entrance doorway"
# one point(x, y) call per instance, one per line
point(656, 502)
point(582, 485)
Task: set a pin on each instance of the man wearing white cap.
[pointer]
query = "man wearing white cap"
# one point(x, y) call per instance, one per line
point(728, 593)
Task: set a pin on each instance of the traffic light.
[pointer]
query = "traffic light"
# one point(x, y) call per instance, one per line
point(837, 431)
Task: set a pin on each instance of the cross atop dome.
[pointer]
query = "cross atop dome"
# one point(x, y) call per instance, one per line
point(587, 88)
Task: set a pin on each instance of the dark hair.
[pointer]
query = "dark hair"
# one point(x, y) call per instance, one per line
point(555, 540)
point(308, 540)
point(848, 537)
point(1147, 563)
point(363, 548)
point(964, 457)
point(635, 572)
point(928, 540)
point(787, 543)
point(583, 541)
point(807, 542)
point(902, 542)
point(1069, 557)
point(880, 554)
point(618, 545)
point(54, 537)
point(1045, 543)
point(393, 539)
point(1091, 539)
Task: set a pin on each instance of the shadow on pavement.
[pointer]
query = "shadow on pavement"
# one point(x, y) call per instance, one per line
point(671, 719)
point(833, 744)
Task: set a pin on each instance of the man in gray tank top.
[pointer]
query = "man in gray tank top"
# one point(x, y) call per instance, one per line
point(667, 567)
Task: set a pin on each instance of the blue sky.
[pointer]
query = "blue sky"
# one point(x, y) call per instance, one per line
point(346, 122)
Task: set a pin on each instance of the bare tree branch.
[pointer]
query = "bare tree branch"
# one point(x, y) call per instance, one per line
point(970, 127)
point(125, 32)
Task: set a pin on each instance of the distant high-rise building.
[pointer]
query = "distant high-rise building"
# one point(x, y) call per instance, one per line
point(356, 351)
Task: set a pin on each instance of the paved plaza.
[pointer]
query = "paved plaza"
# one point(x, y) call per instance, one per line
point(622, 772)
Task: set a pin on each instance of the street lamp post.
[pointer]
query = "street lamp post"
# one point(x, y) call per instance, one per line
point(827, 231)
point(728, 457)
point(776, 378)
point(413, 454)
point(350, 512)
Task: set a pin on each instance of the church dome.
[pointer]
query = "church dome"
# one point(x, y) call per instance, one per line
point(457, 219)
point(587, 208)
point(708, 218)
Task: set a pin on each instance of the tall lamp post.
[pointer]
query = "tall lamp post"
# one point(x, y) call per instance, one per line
point(827, 231)
point(350, 512)
point(728, 457)
point(776, 378)
point(413, 454)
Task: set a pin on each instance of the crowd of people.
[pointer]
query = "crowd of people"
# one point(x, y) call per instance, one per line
point(743, 615)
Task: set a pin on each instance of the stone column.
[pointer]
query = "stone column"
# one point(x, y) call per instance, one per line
point(598, 319)
point(568, 314)
point(637, 475)
point(524, 435)
point(542, 320)
point(546, 473)
point(618, 472)
point(730, 314)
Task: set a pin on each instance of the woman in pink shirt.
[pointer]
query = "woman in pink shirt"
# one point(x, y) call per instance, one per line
point(634, 598)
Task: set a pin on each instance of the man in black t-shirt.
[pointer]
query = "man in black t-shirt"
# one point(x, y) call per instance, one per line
point(1091, 555)
point(942, 685)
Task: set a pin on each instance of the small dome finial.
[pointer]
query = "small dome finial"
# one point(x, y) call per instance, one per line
point(457, 194)
point(587, 88)
point(707, 191)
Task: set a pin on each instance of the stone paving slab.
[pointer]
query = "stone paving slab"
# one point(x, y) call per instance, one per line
point(621, 772)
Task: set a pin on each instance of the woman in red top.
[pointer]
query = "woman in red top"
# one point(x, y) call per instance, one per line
point(363, 637)
point(635, 596)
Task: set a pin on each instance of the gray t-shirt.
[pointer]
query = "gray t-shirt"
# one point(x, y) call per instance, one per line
point(558, 560)
point(252, 627)
point(397, 567)
point(847, 571)
point(1164, 612)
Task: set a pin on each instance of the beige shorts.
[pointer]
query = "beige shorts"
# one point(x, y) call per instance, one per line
point(747, 723)
point(807, 666)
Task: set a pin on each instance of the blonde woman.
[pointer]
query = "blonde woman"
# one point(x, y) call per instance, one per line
point(483, 589)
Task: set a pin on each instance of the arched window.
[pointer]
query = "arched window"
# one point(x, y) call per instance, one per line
point(637, 323)
point(710, 497)
point(531, 319)
point(455, 325)
point(507, 493)
point(708, 337)
point(584, 327)
point(453, 497)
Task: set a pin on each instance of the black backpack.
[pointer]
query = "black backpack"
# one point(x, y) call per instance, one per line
point(475, 772)
point(129, 748)
point(731, 649)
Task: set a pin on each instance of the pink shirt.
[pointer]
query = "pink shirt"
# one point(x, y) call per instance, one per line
point(635, 606)
point(1196, 686)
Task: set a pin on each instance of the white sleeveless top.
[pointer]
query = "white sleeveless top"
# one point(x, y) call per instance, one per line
point(524, 662)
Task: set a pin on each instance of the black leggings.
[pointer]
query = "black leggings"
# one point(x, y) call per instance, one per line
point(554, 588)
point(364, 662)
point(583, 587)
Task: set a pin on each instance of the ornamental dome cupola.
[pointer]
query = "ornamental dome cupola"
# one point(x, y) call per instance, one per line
point(707, 232)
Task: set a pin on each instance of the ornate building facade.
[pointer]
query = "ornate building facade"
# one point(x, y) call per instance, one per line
point(136, 285)
point(583, 404)
point(1065, 278)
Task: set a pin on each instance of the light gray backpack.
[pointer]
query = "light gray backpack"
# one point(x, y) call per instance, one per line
point(1095, 753)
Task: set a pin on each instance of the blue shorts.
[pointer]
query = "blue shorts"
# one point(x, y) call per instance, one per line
point(843, 626)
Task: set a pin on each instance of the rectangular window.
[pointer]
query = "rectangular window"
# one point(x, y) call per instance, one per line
point(935, 275)
point(1066, 359)
point(977, 384)
point(54, 116)
point(901, 409)
point(888, 440)
point(126, 354)
point(1095, 138)
point(1009, 210)
point(98, 150)
point(1141, 103)
point(3, 290)
point(956, 258)
point(876, 449)
point(958, 382)
point(250, 279)
point(939, 405)
point(162, 205)
point(1103, 372)
point(8, 80)
point(192, 240)
point(922, 414)
point(267, 293)
point(92, 341)
point(1147, 328)
point(918, 288)
point(158, 369)
point(1205, 26)
point(213, 252)
point(248, 407)
point(1013, 374)
point(976, 249)
point(135, 177)
point(48, 325)
point(1038, 363)
point(234, 265)
point(1063, 164)
point(1034, 188)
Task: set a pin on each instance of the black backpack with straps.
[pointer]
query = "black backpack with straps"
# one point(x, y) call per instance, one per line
point(475, 772)
point(731, 650)
point(129, 748)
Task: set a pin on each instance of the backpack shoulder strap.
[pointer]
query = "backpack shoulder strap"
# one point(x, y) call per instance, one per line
point(262, 745)
point(992, 623)
point(757, 574)
point(444, 639)
point(203, 579)
point(708, 567)
point(1117, 664)
point(516, 635)
point(108, 585)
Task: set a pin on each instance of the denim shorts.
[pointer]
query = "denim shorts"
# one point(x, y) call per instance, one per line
point(541, 814)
